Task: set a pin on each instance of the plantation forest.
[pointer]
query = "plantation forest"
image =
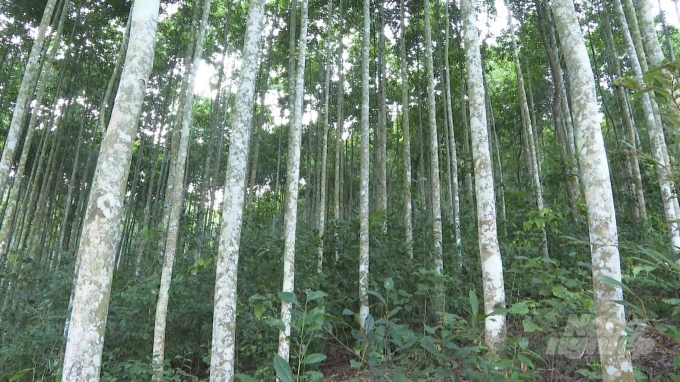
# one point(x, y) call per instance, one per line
point(339, 190)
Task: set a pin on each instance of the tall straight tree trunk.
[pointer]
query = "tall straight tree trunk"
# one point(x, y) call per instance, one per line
point(14, 192)
point(467, 183)
point(292, 185)
point(453, 169)
point(176, 132)
point(408, 210)
point(528, 121)
point(365, 159)
point(434, 148)
point(324, 139)
point(610, 316)
point(380, 145)
point(648, 30)
point(630, 129)
point(339, 130)
point(655, 132)
point(566, 150)
point(85, 340)
point(223, 352)
point(667, 37)
point(489, 251)
point(23, 98)
point(176, 194)
point(104, 110)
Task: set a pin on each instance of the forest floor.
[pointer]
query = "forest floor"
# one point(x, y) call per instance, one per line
point(652, 354)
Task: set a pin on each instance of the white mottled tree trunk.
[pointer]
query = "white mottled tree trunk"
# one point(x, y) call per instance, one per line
point(408, 209)
point(224, 318)
point(23, 99)
point(529, 134)
point(380, 143)
point(434, 148)
point(610, 318)
point(339, 129)
point(292, 184)
point(324, 140)
point(85, 340)
point(364, 170)
point(489, 251)
point(654, 130)
point(176, 197)
point(455, 192)
point(13, 198)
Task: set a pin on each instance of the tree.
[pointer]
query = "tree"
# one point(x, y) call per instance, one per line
point(176, 198)
point(434, 148)
point(224, 317)
point(292, 185)
point(610, 317)
point(31, 72)
point(489, 251)
point(408, 210)
point(85, 340)
point(364, 170)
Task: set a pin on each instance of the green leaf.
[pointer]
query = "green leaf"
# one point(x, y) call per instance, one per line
point(523, 342)
point(369, 323)
point(612, 281)
point(315, 295)
point(443, 373)
point(474, 304)
point(525, 360)
point(394, 311)
point(245, 378)
point(560, 292)
point(313, 358)
point(519, 308)
point(286, 297)
point(19, 374)
point(258, 310)
point(314, 375)
point(676, 361)
point(530, 327)
point(283, 370)
point(347, 312)
point(638, 269)
point(355, 364)
point(378, 295)
point(276, 323)
point(389, 283)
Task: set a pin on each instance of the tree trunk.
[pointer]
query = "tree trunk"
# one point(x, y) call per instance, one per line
point(292, 185)
point(224, 318)
point(492, 267)
point(528, 132)
point(365, 159)
point(656, 135)
point(408, 211)
point(434, 148)
point(324, 140)
point(630, 129)
point(176, 194)
point(610, 318)
point(85, 341)
point(23, 99)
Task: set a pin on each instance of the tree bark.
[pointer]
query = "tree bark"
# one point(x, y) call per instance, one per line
point(85, 340)
point(492, 267)
point(23, 98)
point(364, 171)
point(224, 318)
point(292, 185)
point(610, 317)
